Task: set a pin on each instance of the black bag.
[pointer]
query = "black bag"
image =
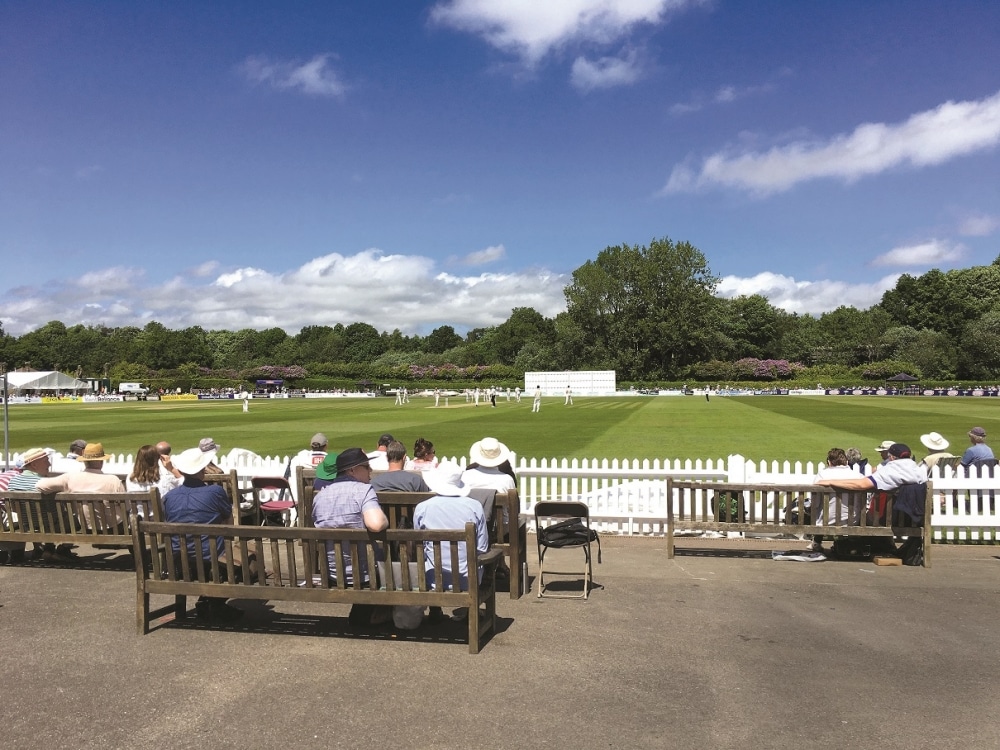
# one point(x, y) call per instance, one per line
point(569, 533)
point(912, 551)
point(862, 548)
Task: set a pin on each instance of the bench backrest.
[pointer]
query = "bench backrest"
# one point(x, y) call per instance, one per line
point(49, 516)
point(757, 504)
point(296, 557)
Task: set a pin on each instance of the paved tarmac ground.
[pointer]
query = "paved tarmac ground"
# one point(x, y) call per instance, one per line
point(721, 647)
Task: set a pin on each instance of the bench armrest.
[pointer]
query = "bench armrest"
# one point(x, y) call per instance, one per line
point(491, 557)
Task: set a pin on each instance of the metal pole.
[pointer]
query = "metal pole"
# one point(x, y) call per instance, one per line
point(6, 421)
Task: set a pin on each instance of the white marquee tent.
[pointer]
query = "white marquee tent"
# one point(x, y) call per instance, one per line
point(19, 382)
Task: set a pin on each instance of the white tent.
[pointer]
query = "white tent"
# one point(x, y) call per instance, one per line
point(44, 381)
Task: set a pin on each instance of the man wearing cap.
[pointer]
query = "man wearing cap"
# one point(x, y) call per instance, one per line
point(207, 445)
point(395, 479)
point(197, 502)
point(490, 466)
point(883, 451)
point(377, 458)
point(979, 450)
point(938, 448)
point(451, 508)
point(308, 458)
point(350, 502)
point(69, 461)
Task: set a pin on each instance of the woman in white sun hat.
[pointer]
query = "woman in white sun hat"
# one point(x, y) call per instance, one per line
point(937, 446)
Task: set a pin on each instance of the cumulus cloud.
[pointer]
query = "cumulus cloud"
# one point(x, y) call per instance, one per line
point(923, 254)
point(946, 132)
point(978, 225)
point(388, 291)
point(488, 255)
point(807, 297)
point(607, 72)
point(314, 77)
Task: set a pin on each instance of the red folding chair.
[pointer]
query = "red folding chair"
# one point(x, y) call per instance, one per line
point(273, 499)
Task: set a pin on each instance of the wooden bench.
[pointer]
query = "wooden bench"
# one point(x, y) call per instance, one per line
point(764, 509)
point(59, 517)
point(295, 559)
point(511, 537)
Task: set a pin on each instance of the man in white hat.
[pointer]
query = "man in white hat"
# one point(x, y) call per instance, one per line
point(451, 508)
point(34, 462)
point(883, 451)
point(197, 502)
point(938, 448)
point(490, 466)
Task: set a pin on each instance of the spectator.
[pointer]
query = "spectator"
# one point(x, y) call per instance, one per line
point(308, 458)
point(883, 451)
point(938, 448)
point(207, 445)
point(326, 472)
point(148, 471)
point(350, 502)
point(394, 479)
point(490, 466)
point(451, 508)
point(194, 501)
point(34, 463)
point(377, 457)
point(164, 450)
point(91, 479)
point(837, 511)
point(979, 450)
point(69, 462)
point(424, 456)
point(855, 460)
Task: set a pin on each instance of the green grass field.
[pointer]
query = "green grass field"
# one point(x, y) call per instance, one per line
point(794, 428)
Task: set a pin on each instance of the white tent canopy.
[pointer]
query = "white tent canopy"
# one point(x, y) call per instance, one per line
point(49, 380)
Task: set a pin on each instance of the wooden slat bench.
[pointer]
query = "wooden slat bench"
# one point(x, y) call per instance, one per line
point(510, 536)
point(763, 510)
point(295, 559)
point(58, 518)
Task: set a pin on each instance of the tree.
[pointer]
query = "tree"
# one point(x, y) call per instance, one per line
point(441, 339)
point(643, 307)
point(362, 343)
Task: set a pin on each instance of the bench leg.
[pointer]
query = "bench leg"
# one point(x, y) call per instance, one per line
point(180, 607)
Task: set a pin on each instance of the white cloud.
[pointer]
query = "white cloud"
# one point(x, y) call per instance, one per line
point(924, 254)
point(607, 72)
point(488, 255)
point(388, 291)
point(978, 225)
point(315, 77)
point(807, 297)
point(948, 131)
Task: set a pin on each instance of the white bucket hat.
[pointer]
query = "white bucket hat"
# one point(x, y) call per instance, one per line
point(885, 446)
point(934, 441)
point(446, 480)
point(193, 460)
point(489, 452)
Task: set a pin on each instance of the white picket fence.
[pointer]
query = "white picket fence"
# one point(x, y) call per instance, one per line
point(628, 497)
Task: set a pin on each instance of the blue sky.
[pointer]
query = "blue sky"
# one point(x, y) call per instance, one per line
point(414, 164)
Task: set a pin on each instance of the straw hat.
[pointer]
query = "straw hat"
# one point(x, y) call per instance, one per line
point(93, 452)
point(885, 446)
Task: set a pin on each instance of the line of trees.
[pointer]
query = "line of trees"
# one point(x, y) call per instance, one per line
point(649, 312)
